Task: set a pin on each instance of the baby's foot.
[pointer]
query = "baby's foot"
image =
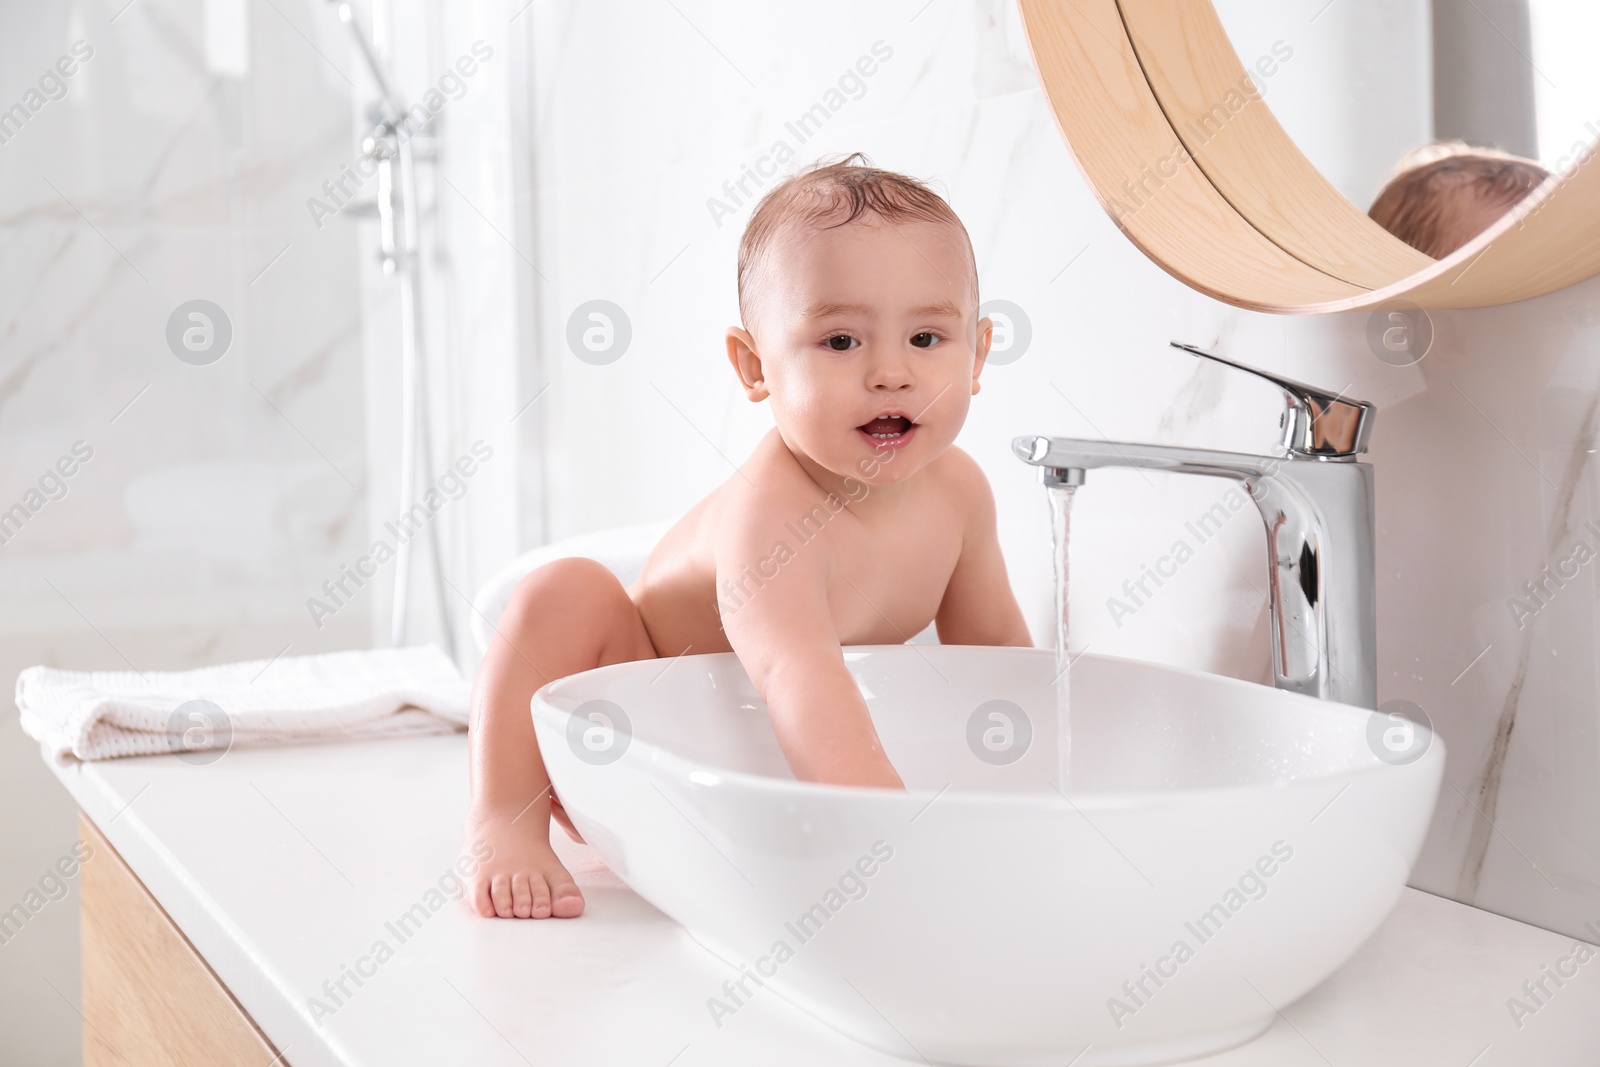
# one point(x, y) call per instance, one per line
point(521, 876)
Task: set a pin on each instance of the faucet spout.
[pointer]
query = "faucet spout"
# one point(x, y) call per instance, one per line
point(1319, 518)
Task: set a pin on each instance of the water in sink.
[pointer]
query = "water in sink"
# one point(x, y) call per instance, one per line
point(1060, 497)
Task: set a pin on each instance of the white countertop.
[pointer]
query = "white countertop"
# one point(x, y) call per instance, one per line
point(283, 866)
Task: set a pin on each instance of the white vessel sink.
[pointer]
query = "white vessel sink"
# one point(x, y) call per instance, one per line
point(1222, 847)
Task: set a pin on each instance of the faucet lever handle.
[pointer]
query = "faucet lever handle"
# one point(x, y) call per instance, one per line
point(1316, 423)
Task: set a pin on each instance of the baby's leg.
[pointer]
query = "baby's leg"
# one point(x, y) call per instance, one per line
point(567, 616)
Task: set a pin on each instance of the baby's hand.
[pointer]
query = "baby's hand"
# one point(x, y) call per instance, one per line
point(521, 878)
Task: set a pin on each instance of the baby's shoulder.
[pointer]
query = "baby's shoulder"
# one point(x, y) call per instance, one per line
point(963, 489)
point(957, 472)
point(758, 498)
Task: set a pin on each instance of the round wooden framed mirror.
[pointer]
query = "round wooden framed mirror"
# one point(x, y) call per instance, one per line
point(1158, 110)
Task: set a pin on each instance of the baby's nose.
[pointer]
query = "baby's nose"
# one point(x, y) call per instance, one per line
point(891, 371)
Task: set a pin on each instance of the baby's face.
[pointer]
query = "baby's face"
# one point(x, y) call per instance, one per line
point(860, 321)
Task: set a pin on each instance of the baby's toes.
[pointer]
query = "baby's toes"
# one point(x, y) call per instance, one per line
point(500, 893)
point(522, 897)
point(482, 900)
point(541, 896)
point(566, 900)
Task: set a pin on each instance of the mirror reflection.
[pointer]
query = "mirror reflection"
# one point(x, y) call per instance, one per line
point(1435, 117)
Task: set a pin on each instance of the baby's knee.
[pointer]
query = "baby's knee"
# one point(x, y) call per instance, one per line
point(573, 585)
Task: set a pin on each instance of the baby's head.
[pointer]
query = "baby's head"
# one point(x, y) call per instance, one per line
point(1443, 195)
point(858, 293)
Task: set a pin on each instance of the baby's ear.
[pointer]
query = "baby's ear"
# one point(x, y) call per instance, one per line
point(746, 363)
point(981, 353)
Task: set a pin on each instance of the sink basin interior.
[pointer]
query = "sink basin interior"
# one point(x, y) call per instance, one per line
point(1133, 730)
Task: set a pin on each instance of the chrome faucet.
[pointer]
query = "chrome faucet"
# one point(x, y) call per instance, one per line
point(1317, 503)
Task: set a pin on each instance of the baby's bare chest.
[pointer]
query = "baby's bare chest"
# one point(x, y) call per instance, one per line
point(890, 577)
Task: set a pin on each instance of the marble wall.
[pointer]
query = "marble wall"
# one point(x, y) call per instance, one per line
point(1489, 523)
point(221, 487)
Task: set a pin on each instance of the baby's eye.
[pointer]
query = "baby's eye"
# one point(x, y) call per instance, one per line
point(842, 342)
point(925, 339)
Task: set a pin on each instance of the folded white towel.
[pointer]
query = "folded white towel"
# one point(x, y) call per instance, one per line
point(94, 715)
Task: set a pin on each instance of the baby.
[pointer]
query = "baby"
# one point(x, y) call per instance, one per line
point(1445, 194)
point(858, 290)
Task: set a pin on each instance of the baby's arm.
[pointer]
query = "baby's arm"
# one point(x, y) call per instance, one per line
point(784, 636)
point(979, 607)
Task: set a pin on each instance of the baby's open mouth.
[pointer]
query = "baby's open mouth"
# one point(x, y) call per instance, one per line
point(886, 427)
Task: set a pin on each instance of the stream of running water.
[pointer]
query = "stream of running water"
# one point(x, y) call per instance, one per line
point(1060, 526)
